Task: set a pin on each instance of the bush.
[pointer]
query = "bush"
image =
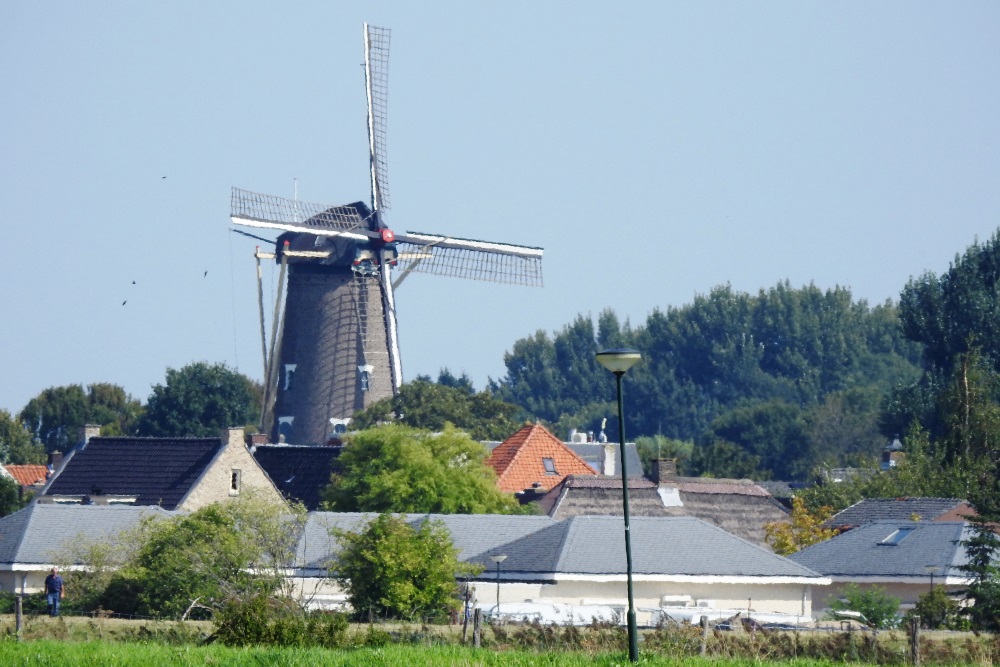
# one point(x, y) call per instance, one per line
point(391, 570)
point(878, 607)
point(261, 620)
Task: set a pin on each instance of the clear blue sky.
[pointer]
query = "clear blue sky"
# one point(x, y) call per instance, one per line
point(654, 149)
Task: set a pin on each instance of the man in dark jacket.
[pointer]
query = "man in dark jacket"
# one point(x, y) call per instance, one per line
point(53, 591)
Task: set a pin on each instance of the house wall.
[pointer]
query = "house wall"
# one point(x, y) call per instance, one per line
point(908, 593)
point(34, 582)
point(215, 484)
point(793, 599)
point(763, 598)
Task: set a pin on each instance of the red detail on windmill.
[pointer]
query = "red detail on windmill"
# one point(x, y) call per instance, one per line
point(388, 236)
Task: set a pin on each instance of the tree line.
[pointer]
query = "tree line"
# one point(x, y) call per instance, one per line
point(764, 385)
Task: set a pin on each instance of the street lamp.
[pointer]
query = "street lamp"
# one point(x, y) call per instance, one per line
point(618, 361)
point(499, 558)
point(931, 569)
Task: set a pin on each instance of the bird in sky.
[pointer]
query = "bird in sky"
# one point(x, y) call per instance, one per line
point(124, 302)
point(206, 273)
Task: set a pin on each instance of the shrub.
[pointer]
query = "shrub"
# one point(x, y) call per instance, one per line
point(878, 607)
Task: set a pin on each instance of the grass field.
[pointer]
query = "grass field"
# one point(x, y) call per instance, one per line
point(101, 641)
point(48, 653)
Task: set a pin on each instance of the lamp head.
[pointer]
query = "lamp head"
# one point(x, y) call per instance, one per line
point(498, 558)
point(618, 360)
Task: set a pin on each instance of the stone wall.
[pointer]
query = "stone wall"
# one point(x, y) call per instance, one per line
point(217, 483)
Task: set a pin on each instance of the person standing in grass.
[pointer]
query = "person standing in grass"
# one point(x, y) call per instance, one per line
point(53, 591)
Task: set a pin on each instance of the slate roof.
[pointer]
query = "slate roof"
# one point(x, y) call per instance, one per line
point(299, 472)
point(895, 509)
point(864, 553)
point(157, 471)
point(543, 549)
point(518, 460)
point(45, 534)
point(28, 474)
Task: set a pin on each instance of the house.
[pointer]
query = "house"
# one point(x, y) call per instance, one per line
point(173, 473)
point(300, 472)
point(533, 458)
point(39, 537)
point(870, 510)
point(30, 477)
point(903, 557)
point(738, 506)
point(682, 567)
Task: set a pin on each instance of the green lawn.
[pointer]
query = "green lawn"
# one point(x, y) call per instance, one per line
point(48, 653)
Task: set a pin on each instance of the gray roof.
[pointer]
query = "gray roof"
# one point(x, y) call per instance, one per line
point(45, 534)
point(157, 471)
point(866, 552)
point(894, 509)
point(540, 548)
point(472, 534)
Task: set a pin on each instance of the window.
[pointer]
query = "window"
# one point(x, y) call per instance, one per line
point(364, 375)
point(234, 482)
point(896, 536)
point(550, 466)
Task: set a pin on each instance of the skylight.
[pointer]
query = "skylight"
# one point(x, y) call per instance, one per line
point(550, 466)
point(896, 537)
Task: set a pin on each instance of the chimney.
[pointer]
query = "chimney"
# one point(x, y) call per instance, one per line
point(258, 438)
point(233, 437)
point(608, 460)
point(664, 469)
point(55, 462)
point(85, 433)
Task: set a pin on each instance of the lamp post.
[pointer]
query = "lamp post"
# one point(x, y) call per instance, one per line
point(499, 558)
point(931, 569)
point(618, 361)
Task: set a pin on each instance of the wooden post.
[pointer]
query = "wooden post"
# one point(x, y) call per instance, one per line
point(477, 627)
point(915, 641)
point(18, 616)
point(704, 636)
point(465, 616)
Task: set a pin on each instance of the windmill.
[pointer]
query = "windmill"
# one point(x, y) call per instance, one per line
point(334, 347)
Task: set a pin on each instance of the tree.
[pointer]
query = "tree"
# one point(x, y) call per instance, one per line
point(199, 400)
point(878, 607)
point(773, 432)
point(15, 442)
point(724, 459)
point(395, 468)
point(425, 405)
point(55, 416)
point(662, 447)
point(804, 529)
point(221, 553)
point(10, 496)
point(937, 611)
point(391, 570)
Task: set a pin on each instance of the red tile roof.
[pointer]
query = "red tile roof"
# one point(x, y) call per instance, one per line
point(518, 460)
point(27, 474)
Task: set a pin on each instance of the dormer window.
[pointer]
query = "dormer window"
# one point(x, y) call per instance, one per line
point(550, 466)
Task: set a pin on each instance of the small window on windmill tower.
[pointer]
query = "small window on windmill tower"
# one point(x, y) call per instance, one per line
point(364, 375)
point(550, 466)
point(234, 482)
